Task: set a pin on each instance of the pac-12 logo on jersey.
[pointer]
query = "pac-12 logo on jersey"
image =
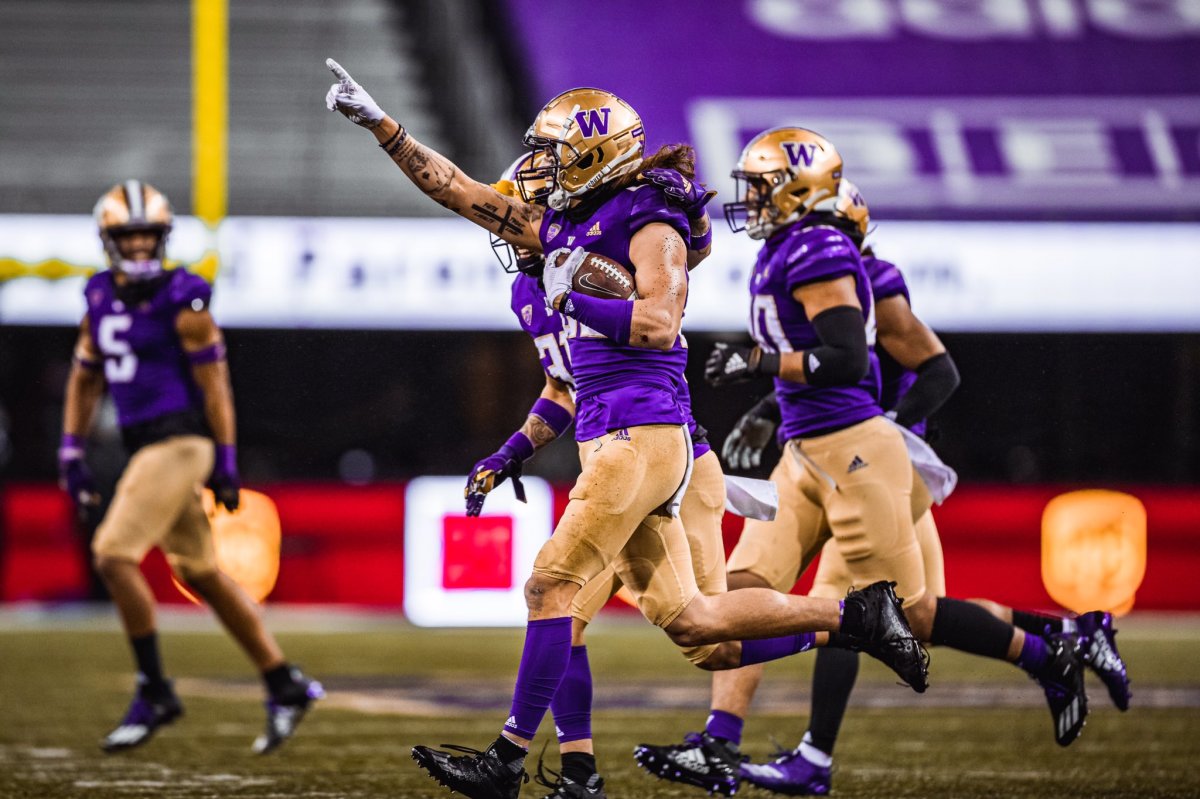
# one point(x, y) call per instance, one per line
point(527, 314)
point(799, 151)
point(593, 122)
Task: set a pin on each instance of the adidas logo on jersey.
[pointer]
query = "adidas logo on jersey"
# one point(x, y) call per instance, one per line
point(856, 464)
point(594, 230)
point(735, 362)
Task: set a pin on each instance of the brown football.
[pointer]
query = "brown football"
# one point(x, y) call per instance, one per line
point(600, 276)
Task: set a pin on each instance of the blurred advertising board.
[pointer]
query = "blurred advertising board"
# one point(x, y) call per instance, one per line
point(969, 109)
point(422, 274)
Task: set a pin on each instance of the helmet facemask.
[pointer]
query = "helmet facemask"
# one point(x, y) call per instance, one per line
point(527, 177)
point(788, 173)
point(132, 207)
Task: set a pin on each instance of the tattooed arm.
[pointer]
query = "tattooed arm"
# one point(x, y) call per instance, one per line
point(510, 218)
point(541, 431)
point(660, 257)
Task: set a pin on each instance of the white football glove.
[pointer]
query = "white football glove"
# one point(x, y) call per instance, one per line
point(558, 279)
point(351, 99)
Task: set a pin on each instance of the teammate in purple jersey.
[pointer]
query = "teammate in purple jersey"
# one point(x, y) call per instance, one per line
point(149, 336)
point(932, 377)
point(846, 474)
point(636, 460)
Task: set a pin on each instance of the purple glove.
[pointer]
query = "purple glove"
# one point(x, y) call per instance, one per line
point(687, 195)
point(225, 481)
point(494, 469)
point(74, 476)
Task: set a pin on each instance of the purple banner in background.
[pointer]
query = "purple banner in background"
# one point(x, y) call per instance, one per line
point(959, 108)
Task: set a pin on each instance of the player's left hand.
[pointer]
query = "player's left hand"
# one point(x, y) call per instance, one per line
point(489, 473)
point(745, 444)
point(225, 481)
point(727, 364)
point(350, 99)
point(687, 195)
point(558, 279)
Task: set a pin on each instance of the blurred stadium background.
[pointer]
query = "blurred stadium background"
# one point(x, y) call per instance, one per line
point(1033, 166)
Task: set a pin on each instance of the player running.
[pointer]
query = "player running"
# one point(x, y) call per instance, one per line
point(149, 335)
point(703, 505)
point(637, 457)
point(917, 376)
point(845, 474)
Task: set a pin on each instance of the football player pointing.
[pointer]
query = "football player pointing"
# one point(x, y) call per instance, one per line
point(148, 335)
point(638, 455)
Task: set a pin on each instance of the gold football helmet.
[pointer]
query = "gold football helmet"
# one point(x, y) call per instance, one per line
point(852, 206)
point(128, 207)
point(590, 137)
point(787, 173)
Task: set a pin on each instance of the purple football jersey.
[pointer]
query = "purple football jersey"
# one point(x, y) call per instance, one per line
point(146, 368)
point(552, 334)
point(895, 380)
point(619, 385)
point(789, 259)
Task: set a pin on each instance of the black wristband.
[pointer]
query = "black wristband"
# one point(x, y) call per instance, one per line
point(768, 408)
point(763, 362)
point(392, 145)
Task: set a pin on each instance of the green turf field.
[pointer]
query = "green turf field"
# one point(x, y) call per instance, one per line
point(981, 731)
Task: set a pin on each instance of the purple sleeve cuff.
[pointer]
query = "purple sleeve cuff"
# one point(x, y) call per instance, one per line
point(611, 318)
point(210, 354)
point(71, 447)
point(518, 447)
point(698, 243)
point(553, 414)
point(227, 458)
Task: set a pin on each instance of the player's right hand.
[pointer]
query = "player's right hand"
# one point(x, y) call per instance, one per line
point(744, 445)
point(489, 473)
point(350, 99)
point(688, 195)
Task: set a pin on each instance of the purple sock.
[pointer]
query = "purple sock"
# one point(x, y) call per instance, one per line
point(543, 664)
point(572, 703)
point(764, 649)
point(1034, 654)
point(724, 725)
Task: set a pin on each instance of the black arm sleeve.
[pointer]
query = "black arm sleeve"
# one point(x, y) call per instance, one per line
point(841, 360)
point(936, 380)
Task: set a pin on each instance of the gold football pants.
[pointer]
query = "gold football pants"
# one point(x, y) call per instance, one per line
point(854, 486)
point(157, 504)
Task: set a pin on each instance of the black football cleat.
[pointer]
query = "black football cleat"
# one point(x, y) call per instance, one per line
point(286, 711)
point(565, 788)
point(1101, 656)
point(148, 711)
point(479, 775)
point(1062, 680)
point(701, 760)
point(888, 637)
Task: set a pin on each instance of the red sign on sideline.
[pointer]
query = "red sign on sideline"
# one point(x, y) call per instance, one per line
point(478, 552)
